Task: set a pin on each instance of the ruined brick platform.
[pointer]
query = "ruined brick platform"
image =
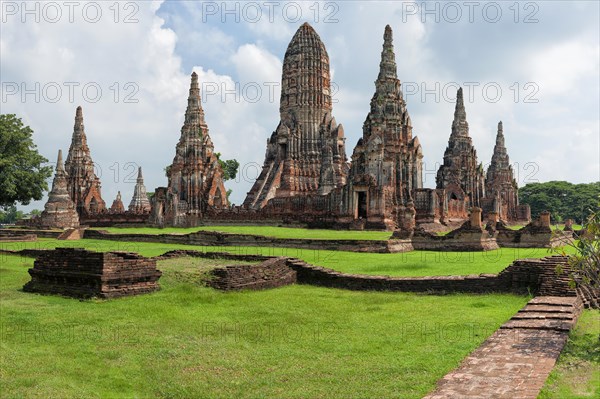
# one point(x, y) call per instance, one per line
point(516, 360)
point(271, 273)
point(85, 274)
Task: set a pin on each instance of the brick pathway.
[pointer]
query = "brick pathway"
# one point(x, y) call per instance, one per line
point(516, 360)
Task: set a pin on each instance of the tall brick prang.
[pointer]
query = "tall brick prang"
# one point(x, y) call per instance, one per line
point(306, 153)
point(83, 184)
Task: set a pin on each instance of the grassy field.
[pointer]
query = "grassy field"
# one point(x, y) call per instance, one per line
point(269, 231)
point(191, 341)
point(577, 372)
point(409, 264)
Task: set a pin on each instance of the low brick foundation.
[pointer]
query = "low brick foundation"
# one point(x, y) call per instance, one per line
point(536, 276)
point(523, 276)
point(22, 232)
point(85, 274)
point(213, 238)
point(271, 273)
point(18, 238)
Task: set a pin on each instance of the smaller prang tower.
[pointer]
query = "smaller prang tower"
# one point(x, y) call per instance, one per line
point(140, 202)
point(59, 211)
point(461, 175)
point(195, 177)
point(501, 190)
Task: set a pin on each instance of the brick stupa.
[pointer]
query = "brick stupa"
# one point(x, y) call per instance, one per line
point(140, 202)
point(59, 210)
point(117, 205)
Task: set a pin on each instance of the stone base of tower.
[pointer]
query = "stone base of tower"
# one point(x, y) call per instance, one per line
point(59, 219)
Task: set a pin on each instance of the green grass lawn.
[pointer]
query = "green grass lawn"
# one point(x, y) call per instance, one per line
point(269, 231)
point(409, 264)
point(191, 341)
point(577, 372)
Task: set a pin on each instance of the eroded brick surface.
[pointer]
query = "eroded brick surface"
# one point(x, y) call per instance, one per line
point(83, 274)
point(59, 211)
point(516, 360)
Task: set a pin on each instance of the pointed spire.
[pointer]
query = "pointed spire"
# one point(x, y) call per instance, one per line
point(118, 195)
point(79, 129)
point(60, 167)
point(500, 135)
point(459, 124)
point(194, 114)
point(140, 178)
point(387, 66)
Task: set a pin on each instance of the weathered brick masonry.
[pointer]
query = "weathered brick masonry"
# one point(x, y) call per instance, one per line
point(271, 273)
point(84, 274)
point(213, 238)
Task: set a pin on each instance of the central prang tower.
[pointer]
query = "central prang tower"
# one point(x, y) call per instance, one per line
point(306, 153)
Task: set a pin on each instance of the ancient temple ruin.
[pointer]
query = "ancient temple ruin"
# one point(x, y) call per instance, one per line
point(195, 176)
point(387, 160)
point(59, 211)
point(306, 153)
point(306, 177)
point(461, 176)
point(82, 182)
point(117, 205)
point(140, 202)
point(501, 191)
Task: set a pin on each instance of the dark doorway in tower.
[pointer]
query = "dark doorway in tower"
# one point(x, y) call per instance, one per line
point(283, 150)
point(361, 205)
point(93, 206)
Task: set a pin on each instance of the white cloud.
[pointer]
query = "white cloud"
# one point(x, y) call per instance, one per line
point(562, 66)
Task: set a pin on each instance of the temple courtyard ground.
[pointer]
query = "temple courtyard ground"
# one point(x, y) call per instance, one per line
point(407, 264)
point(188, 340)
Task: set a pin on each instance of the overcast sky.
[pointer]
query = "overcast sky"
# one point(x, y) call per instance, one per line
point(533, 65)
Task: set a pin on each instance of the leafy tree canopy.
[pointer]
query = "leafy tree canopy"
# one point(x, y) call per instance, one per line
point(562, 199)
point(10, 215)
point(230, 167)
point(22, 176)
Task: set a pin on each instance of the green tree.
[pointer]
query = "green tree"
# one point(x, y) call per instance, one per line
point(586, 261)
point(230, 167)
point(22, 176)
point(562, 199)
point(10, 214)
